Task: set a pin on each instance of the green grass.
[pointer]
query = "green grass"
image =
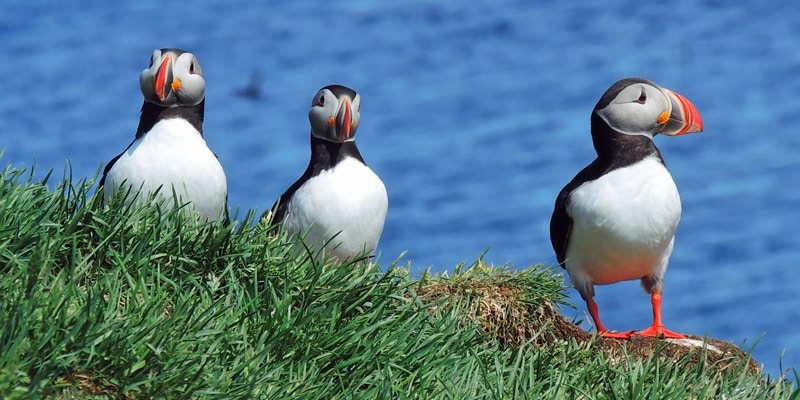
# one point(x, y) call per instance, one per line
point(136, 302)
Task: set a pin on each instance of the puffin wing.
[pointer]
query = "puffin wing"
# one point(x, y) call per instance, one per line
point(560, 227)
point(561, 221)
point(281, 206)
point(279, 209)
point(108, 168)
point(111, 165)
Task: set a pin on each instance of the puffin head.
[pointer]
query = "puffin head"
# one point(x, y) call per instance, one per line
point(334, 114)
point(174, 78)
point(636, 106)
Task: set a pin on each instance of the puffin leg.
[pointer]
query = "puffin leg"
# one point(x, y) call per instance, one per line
point(601, 330)
point(657, 329)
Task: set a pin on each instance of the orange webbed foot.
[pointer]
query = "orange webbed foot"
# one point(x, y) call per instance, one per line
point(660, 332)
point(616, 335)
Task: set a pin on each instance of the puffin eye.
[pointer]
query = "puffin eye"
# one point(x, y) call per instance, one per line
point(321, 101)
point(642, 98)
point(191, 68)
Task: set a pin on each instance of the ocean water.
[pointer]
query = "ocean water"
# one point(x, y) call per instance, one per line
point(474, 115)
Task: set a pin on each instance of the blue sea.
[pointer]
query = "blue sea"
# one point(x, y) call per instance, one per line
point(474, 114)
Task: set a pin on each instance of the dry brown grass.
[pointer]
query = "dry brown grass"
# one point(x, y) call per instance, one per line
point(504, 312)
point(80, 384)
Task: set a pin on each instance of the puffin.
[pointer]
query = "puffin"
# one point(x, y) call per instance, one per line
point(339, 204)
point(169, 155)
point(616, 219)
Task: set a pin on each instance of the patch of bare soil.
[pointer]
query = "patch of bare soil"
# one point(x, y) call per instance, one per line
point(79, 384)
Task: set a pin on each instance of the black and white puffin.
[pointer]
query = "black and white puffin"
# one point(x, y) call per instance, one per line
point(169, 154)
point(338, 202)
point(616, 219)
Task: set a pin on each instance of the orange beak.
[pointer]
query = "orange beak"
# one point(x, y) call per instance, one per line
point(163, 79)
point(344, 121)
point(682, 118)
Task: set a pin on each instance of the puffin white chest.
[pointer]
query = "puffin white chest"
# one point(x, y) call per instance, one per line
point(347, 203)
point(623, 224)
point(172, 156)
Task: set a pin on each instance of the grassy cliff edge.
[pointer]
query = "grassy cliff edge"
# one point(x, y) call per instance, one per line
point(136, 302)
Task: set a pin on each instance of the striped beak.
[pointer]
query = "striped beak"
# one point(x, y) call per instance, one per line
point(162, 82)
point(681, 118)
point(344, 120)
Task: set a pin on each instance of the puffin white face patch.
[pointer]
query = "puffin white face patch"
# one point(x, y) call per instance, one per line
point(192, 85)
point(636, 110)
